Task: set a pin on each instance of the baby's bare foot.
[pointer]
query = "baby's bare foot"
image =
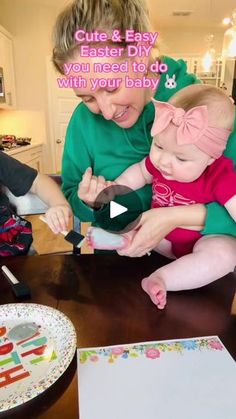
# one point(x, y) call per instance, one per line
point(154, 286)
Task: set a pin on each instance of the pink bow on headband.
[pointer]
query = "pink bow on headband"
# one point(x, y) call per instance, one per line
point(192, 128)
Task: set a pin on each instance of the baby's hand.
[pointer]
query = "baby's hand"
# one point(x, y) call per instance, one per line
point(91, 186)
point(58, 218)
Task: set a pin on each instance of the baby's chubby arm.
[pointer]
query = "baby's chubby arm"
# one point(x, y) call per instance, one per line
point(91, 186)
point(135, 177)
point(230, 205)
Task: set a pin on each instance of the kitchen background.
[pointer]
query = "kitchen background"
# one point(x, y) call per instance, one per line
point(36, 108)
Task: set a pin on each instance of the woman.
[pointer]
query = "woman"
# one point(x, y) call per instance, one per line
point(110, 130)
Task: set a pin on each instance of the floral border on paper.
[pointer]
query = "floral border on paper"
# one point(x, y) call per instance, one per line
point(149, 350)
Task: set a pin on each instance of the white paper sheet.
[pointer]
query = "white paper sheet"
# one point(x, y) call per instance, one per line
point(178, 379)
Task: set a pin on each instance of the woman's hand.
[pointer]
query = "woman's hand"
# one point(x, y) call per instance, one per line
point(156, 223)
point(153, 226)
point(91, 186)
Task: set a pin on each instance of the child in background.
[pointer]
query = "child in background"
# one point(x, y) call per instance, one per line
point(15, 232)
point(185, 167)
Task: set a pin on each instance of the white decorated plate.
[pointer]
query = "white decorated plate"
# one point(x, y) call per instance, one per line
point(37, 344)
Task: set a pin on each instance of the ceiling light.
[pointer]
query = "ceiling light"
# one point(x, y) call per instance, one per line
point(229, 42)
point(226, 21)
point(210, 55)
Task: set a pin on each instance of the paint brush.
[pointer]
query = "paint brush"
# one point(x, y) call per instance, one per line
point(19, 289)
point(71, 236)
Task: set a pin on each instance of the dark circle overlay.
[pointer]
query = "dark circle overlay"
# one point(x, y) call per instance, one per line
point(121, 195)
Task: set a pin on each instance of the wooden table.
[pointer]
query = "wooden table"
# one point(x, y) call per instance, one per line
point(102, 296)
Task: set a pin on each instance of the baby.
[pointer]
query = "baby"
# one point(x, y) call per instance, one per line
point(186, 166)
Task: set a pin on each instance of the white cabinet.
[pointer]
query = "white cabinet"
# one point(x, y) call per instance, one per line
point(208, 77)
point(30, 155)
point(7, 64)
point(222, 73)
point(194, 65)
point(228, 76)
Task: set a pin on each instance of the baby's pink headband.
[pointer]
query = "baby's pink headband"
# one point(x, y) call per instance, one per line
point(192, 126)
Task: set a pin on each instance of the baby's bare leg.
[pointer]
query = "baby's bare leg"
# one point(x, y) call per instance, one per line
point(212, 258)
point(165, 248)
point(156, 288)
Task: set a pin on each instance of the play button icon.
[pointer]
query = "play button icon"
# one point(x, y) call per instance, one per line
point(118, 209)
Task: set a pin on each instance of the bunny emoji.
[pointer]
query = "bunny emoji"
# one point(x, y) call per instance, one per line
point(170, 82)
